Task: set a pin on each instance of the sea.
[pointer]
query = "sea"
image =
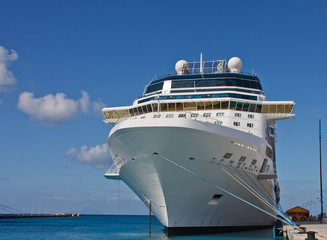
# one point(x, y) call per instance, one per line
point(106, 227)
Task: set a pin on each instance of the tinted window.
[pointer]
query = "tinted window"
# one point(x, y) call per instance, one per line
point(154, 87)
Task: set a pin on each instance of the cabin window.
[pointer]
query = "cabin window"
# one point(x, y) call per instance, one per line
point(206, 114)
point(156, 116)
point(220, 114)
point(238, 115)
point(236, 124)
point(227, 155)
point(169, 115)
point(250, 116)
point(249, 125)
point(182, 115)
point(242, 159)
point(219, 123)
point(194, 114)
point(254, 162)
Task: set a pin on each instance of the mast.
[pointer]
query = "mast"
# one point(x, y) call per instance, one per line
point(321, 199)
point(201, 64)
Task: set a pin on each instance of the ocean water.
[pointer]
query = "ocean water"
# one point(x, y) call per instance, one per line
point(105, 227)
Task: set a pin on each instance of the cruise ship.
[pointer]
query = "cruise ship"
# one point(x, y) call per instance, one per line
point(198, 147)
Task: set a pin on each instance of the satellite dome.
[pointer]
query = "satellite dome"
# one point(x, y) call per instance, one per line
point(235, 64)
point(181, 67)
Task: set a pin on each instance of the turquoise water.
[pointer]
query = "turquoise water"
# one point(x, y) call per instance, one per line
point(103, 227)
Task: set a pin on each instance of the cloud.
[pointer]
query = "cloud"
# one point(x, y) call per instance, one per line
point(7, 78)
point(97, 156)
point(54, 109)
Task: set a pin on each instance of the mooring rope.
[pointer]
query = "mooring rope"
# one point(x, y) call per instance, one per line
point(266, 201)
point(257, 195)
point(226, 191)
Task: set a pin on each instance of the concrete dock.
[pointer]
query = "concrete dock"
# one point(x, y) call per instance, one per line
point(301, 233)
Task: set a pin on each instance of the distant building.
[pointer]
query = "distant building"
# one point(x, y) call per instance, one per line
point(298, 214)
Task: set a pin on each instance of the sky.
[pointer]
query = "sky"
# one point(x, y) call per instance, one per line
point(62, 61)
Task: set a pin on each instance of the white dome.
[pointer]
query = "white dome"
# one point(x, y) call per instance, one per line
point(235, 64)
point(181, 67)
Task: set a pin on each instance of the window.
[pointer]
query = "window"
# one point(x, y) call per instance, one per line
point(242, 159)
point(237, 124)
point(254, 162)
point(206, 114)
point(157, 116)
point(216, 105)
point(220, 114)
point(171, 107)
point(250, 116)
point(246, 107)
point(224, 105)
point(182, 115)
point(142, 117)
point(239, 106)
point(200, 106)
point(163, 107)
point(208, 105)
point(190, 106)
point(154, 87)
point(238, 115)
point(227, 155)
point(219, 123)
point(249, 125)
point(169, 115)
point(194, 114)
point(232, 105)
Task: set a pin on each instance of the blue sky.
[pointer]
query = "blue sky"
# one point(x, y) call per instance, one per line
point(61, 61)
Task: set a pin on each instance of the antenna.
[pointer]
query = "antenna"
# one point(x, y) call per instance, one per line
point(201, 66)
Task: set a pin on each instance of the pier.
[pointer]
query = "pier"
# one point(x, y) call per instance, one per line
point(307, 231)
point(27, 215)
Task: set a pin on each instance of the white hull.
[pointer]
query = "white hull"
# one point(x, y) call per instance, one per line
point(179, 198)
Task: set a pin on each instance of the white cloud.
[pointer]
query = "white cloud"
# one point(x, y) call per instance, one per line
point(53, 109)
point(7, 78)
point(97, 156)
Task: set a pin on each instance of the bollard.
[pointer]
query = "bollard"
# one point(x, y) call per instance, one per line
point(311, 236)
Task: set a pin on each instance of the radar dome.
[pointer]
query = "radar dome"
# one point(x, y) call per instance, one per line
point(182, 67)
point(235, 64)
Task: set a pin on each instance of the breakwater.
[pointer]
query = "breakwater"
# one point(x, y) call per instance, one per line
point(27, 215)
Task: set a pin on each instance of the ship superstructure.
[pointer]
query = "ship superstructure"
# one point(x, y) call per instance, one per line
point(200, 146)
